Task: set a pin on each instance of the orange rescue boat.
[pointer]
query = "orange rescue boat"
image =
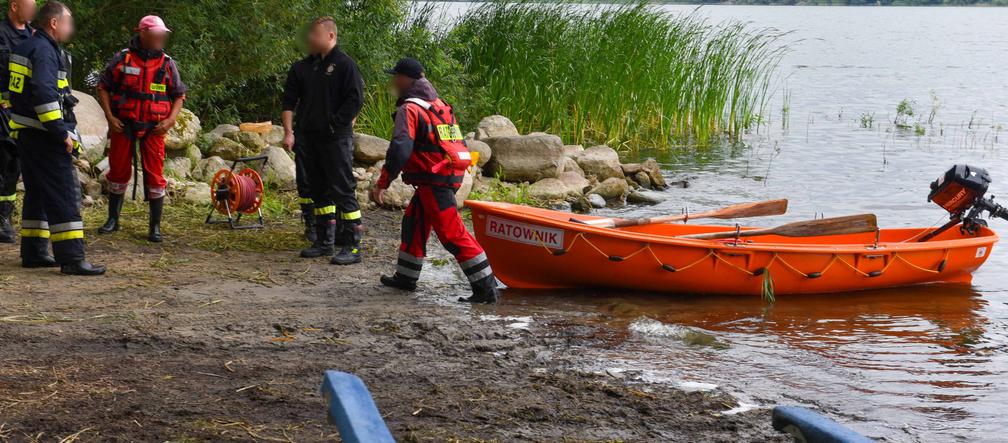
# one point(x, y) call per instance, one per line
point(539, 248)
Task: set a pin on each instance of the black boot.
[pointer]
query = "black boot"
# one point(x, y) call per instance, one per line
point(484, 291)
point(350, 253)
point(46, 261)
point(325, 232)
point(82, 268)
point(308, 216)
point(7, 234)
point(154, 231)
point(35, 253)
point(399, 282)
point(115, 203)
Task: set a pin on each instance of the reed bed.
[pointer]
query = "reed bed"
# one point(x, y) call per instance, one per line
point(627, 75)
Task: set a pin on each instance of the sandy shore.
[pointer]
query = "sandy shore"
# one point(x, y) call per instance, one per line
point(183, 342)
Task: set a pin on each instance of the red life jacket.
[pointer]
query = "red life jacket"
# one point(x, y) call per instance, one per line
point(440, 158)
point(142, 86)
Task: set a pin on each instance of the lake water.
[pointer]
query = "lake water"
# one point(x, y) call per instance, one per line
point(915, 364)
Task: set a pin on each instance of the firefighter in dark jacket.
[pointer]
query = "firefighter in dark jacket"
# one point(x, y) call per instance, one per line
point(47, 140)
point(142, 94)
point(322, 96)
point(13, 30)
point(428, 150)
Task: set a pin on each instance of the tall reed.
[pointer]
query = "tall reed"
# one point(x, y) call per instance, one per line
point(627, 75)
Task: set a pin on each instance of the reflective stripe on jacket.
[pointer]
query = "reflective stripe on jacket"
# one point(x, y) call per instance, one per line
point(39, 86)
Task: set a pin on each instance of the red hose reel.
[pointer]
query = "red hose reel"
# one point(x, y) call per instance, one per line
point(234, 194)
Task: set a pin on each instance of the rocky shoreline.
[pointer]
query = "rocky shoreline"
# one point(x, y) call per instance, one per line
point(536, 168)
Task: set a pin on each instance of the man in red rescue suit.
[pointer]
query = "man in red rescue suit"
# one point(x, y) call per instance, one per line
point(428, 149)
point(141, 93)
point(42, 122)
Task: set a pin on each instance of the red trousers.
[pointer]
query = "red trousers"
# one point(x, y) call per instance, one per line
point(121, 163)
point(434, 208)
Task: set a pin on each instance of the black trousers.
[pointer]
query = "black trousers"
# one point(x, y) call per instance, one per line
point(50, 212)
point(328, 161)
point(10, 171)
point(301, 172)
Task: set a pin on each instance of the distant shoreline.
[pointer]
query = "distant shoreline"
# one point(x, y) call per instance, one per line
point(852, 3)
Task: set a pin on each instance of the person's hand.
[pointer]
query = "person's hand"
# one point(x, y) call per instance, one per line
point(69, 142)
point(115, 124)
point(164, 125)
point(378, 195)
point(288, 141)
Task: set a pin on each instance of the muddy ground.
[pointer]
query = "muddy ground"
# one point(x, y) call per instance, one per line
point(194, 340)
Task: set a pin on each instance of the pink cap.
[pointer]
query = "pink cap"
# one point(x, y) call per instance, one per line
point(152, 23)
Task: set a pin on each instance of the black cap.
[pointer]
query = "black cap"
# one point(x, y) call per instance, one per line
point(409, 67)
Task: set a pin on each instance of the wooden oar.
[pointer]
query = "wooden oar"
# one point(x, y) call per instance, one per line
point(741, 210)
point(852, 224)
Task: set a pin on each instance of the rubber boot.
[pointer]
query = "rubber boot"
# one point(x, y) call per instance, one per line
point(35, 253)
point(399, 281)
point(308, 216)
point(350, 253)
point(82, 267)
point(115, 204)
point(7, 234)
point(325, 231)
point(154, 231)
point(484, 291)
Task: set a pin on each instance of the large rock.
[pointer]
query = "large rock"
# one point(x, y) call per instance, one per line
point(573, 150)
point(279, 169)
point(601, 162)
point(612, 189)
point(179, 168)
point(576, 183)
point(91, 124)
point(275, 136)
point(495, 126)
point(525, 158)
point(252, 141)
point(89, 186)
point(653, 171)
point(646, 197)
point(227, 149)
point(547, 190)
point(196, 193)
point(184, 133)
point(571, 165)
point(398, 194)
point(369, 149)
point(208, 167)
point(596, 201)
point(485, 153)
point(222, 130)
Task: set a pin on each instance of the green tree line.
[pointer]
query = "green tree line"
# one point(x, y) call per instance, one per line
point(234, 54)
point(551, 67)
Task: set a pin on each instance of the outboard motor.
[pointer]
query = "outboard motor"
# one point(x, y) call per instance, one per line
point(961, 192)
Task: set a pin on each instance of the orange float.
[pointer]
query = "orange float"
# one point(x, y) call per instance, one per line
point(538, 248)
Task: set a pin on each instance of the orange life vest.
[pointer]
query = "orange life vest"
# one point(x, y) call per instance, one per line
point(440, 158)
point(141, 94)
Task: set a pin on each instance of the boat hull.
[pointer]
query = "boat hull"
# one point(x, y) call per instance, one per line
point(541, 249)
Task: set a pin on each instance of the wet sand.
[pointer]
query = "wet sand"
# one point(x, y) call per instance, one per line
point(184, 344)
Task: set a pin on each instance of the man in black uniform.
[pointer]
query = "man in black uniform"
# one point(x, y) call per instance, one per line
point(326, 91)
point(39, 87)
point(13, 30)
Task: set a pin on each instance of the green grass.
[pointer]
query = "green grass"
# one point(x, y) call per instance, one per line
point(627, 75)
point(183, 223)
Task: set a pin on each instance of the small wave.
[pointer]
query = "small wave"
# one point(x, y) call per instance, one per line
point(513, 321)
point(654, 328)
